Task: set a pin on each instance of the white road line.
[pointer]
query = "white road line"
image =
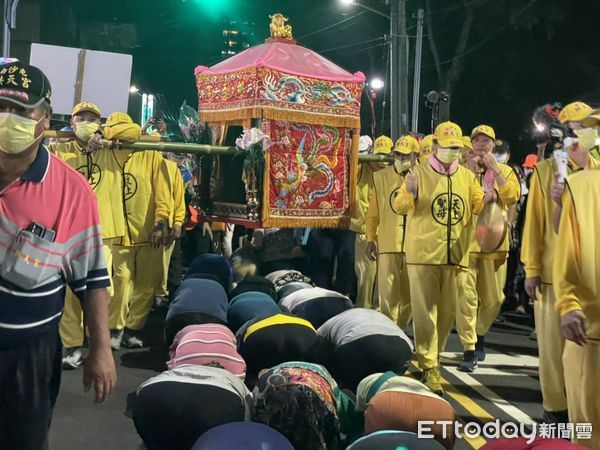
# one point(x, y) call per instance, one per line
point(510, 409)
point(496, 359)
point(525, 371)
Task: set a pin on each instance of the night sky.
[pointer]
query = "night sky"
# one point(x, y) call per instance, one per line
point(519, 54)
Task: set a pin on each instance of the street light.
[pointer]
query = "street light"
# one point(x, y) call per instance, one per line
point(377, 84)
point(368, 8)
point(134, 89)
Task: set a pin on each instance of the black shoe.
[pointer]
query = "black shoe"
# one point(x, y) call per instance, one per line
point(469, 362)
point(131, 341)
point(555, 417)
point(480, 348)
point(72, 359)
point(160, 302)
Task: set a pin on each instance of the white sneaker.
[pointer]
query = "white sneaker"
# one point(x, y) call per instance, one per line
point(72, 359)
point(116, 336)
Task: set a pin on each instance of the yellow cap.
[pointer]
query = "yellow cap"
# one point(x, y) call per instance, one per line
point(467, 142)
point(426, 145)
point(574, 112)
point(117, 118)
point(383, 145)
point(448, 134)
point(120, 126)
point(592, 120)
point(406, 145)
point(85, 106)
point(486, 130)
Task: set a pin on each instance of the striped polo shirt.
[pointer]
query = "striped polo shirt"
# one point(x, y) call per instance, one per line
point(49, 237)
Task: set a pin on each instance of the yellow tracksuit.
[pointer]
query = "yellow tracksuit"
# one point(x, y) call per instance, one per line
point(102, 169)
point(439, 224)
point(177, 208)
point(365, 269)
point(387, 228)
point(482, 285)
point(576, 275)
point(138, 266)
point(537, 253)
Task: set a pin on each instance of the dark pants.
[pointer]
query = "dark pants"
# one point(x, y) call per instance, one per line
point(356, 360)
point(274, 345)
point(319, 310)
point(324, 246)
point(29, 383)
point(172, 415)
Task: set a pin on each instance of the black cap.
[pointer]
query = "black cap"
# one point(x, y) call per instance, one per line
point(24, 85)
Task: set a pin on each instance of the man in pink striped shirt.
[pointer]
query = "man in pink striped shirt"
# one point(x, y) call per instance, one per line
point(49, 237)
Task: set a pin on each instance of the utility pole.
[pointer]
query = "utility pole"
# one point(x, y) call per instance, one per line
point(394, 72)
point(10, 20)
point(403, 67)
point(417, 78)
point(398, 69)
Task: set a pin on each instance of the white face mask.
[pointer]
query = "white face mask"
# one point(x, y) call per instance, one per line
point(501, 157)
point(17, 133)
point(527, 172)
point(85, 130)
point(401, 165)
point(448, 155)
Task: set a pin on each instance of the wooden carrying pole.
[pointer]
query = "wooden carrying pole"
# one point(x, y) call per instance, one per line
point(155, 143)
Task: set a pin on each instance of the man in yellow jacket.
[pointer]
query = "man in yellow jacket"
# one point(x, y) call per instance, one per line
point(365, 268)
point(426, 148)
point(386, 233)
point(177, 209)
point(537, 253)
point(99, 165)
point(138, 256)
point(576, 274)
point(440, 198)
point(483, 289)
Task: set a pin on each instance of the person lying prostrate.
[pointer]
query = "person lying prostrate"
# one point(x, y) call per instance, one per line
point(395, 402)
point(359, 342)
point(197, 301)
point(216, 265)
point(282, 277)
point(242, 435)
point(173, 409)
point(207, 345)
point(250, 306)
point(292, 287)
point(264, 343)
point(300, 404)
point(254, 284)
point(317, 305)
point(394, 440)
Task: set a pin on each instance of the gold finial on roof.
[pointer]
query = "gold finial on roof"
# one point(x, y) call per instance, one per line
point(278, 27)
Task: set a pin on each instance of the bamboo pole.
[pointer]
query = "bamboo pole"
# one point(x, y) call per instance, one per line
point(155, 143)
